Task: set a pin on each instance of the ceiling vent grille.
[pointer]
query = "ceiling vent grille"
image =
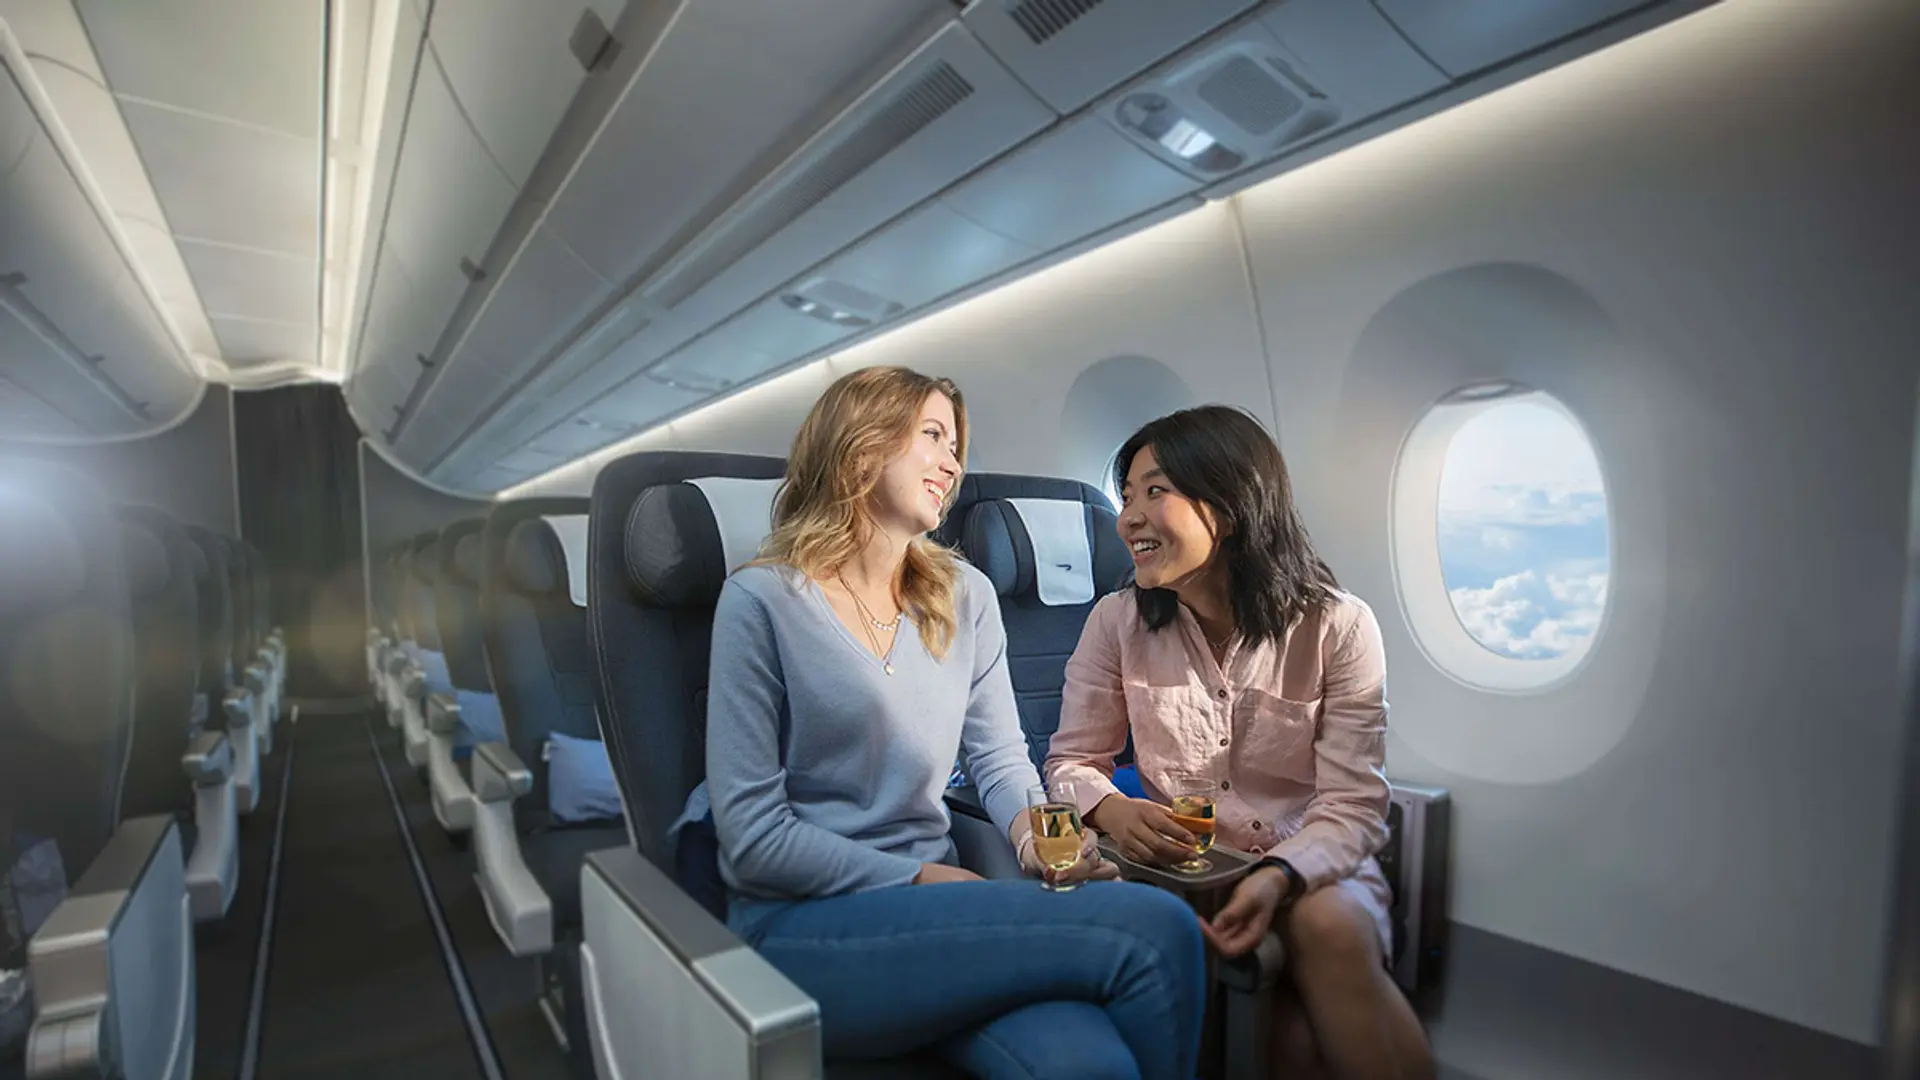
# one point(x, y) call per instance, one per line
point(1042, 19)
point(925, 100)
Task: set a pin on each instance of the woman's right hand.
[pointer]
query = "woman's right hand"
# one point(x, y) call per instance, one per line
point(934, 873)
point(1144, 831)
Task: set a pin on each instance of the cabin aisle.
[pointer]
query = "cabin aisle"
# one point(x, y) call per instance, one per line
point(356, 982)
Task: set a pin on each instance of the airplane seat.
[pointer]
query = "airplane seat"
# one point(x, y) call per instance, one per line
point(659, 549)
point(234, 713)
point(269, 643)
point(547, 796)
point(428, 674)
point(160, 562)
point(468, 713)
point(111, 964)
point(380, 635)
point(248, 671)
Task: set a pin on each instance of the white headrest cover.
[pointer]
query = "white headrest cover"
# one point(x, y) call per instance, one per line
point(572, 531)
point(743, 510)
point(1062, 554)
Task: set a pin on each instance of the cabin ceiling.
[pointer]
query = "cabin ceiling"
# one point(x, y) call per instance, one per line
point(550, 227)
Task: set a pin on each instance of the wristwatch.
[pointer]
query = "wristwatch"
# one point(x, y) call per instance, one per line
point(1295, 883)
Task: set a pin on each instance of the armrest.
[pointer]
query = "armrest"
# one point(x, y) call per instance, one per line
point(647, 941)
point(966, 800)
point(498, 773)
point(237, 707)
point(209, 758)
point(256, 675)
point(112, 965)
point(413, 681)
point(443, 713)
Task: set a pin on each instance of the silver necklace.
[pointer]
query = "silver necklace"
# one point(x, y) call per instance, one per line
point(886, 657)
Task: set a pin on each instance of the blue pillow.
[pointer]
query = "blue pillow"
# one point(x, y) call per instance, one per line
point(480, 720)
point(580, 784)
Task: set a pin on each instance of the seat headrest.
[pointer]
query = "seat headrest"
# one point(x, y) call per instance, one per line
point(1062, 551)
point(148, 571)
point(539, 559)
point(40, 560)
point(683, 539)
point(469, 561)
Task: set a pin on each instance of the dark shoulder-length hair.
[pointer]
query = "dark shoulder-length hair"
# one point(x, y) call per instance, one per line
point(1222, 457)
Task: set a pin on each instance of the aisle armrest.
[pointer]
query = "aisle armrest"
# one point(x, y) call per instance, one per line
point(239, 710)
point(213, 866)
point(517, 905)
point(443, 713)
point(646, 942)
point(112, 965)
point(979, 843)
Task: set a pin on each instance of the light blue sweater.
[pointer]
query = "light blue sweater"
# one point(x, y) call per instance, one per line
point(825, 774)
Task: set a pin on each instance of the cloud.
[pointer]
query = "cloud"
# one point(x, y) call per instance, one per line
point(1532, 615)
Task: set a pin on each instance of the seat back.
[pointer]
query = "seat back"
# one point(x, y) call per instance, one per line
point(160, 560)
point(422, 573)
point(215, 608)
point(990, 526)
point(458, 556)
point(66, 659)
point(240, 601)
point(656, 561)
point(536, 633)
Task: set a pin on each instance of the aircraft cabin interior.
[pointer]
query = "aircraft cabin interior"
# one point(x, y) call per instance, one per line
point(398, 398)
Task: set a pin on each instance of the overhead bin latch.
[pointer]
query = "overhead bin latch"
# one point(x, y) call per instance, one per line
point(592, 43)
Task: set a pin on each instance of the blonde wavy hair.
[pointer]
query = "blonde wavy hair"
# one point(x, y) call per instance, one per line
point(821, 515)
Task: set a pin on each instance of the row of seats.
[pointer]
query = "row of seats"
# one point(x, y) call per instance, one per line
point(594, 619)
point(140, 681)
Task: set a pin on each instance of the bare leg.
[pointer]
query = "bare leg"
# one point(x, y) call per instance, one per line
point(1364, 1027)
point(1296, 1054)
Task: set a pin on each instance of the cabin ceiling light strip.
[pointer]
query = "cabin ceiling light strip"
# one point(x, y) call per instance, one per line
point(360, 47)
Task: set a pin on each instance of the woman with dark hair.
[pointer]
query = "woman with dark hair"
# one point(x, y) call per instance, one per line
point(1243, 671)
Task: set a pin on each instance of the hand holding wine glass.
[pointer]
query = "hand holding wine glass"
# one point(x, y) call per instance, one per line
point(1058, 847)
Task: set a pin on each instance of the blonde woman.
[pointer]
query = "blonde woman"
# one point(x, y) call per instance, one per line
point(850, 663)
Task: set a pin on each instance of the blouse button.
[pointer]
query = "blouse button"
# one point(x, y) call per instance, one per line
point(1223, 740)
point(1226, 785)
point(1223, 693)
point(1256, 825)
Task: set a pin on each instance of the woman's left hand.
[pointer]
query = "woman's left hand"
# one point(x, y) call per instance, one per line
point(1248, 914)
point(1091, 867)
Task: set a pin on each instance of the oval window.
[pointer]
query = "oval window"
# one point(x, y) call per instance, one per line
point(1519, 524)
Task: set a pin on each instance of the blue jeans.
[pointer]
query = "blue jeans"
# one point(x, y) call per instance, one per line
point(1002, 978)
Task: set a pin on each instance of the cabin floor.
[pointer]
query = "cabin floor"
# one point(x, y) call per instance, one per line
point(357, 944)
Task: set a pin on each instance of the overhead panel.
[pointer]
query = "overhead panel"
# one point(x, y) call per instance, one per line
point(645, 400)
point(1072, 51)
point(1271, 83)
point(748, 346)
point(24, 415)
point(941, 114)
point(510, 67)
point(79, 323)
point(1073, 183)
point(729, 83)
point(1465, 36)
point(548, 292)
point(449, 200)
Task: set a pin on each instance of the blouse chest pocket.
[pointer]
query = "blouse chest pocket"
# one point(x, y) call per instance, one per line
point(1276, 735)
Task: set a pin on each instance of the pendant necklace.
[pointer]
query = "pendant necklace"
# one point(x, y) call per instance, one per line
point(886, 658)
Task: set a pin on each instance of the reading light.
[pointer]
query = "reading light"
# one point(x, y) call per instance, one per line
point(823, 312)
point(1158, 119)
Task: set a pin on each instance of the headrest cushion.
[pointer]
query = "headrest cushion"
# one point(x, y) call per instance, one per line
point(148, 572)
point(469, 558)
point(40, 560)
point(998, 538)
point(537, 560)
point(682, 540)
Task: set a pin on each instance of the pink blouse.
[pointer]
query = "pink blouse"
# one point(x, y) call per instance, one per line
point(1294, 732)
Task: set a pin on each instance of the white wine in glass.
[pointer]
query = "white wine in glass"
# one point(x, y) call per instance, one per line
point(1057, 834)
point(1193, 810)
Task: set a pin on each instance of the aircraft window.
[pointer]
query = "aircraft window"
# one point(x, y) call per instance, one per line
point(1520, 526)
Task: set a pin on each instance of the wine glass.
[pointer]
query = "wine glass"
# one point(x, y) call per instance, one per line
point(1057, 834)
point(1192, 797)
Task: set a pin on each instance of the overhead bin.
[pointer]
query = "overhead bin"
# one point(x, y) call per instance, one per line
point(1465, 36)
point(1072, 51)
point(693, 110)
point(82, 333)
point(1291, 72)
point(941, 114)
